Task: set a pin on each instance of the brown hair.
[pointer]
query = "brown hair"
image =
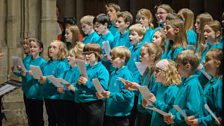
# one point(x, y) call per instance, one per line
point(78, 50)
point(148, 14)
point(122, 52)
point(75, 34)
point(95, 48)
point(115, 6)
point(127, 16)
point(218, 55)
point(188, 17)
point(137, 28)
point(63, 52)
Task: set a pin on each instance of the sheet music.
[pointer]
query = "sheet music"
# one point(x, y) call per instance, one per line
point(36, 71)
point(6, 88)
point(17, 61)
point(212, 114)
point(205, 74)
point(54, 80)
point(145, 93)
point(82, 67)
point(159, 111)
point(141, 67)
point(97, 85)
point(107, 49)
point(122, 80)
point(61, 80)
point(180, 111)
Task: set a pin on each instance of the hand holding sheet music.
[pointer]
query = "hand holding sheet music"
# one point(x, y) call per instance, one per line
point(82, 67)
point(180, 111)
point(98, 86)
point(36, 71)
point(158, 110)
point(146, 94)
point(212, 114)
point(107, 49)
point(66, 83)
point(17, 61)
point(54, 80)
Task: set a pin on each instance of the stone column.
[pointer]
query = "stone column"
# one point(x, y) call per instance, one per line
point(48, 31)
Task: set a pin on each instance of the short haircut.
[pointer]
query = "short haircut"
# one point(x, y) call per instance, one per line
point(102, 19)
point(122, 52)
point(115, 6)
point(137, 28)
point(88, 19)
point(39, 43)
point(127, 16)
point(188, 56)
point(95, 48)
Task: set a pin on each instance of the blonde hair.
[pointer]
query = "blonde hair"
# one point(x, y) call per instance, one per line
point(137, 28)
point(77, 51)
point(127, 16)
point(188, 56)
point(122, 52)
point(218, 55)
point(188, 17)
point(88, 19)
point(171, 74)
point(216, 26)
point(181, 37)
point(63, 52)
point(95, 48)
point(166, 7)
point(203, 18)
point(115, 6)
point(153, 48)
point(75, 34)
point(163, 36)
point(148, 14)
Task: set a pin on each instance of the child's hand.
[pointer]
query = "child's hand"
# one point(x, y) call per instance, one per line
point(218, 123)
point(200, 66)
point(30, 72)
point(131, 86)
point(71, 88)
point(189, 120)
point(168, 119)
point(106, 94)
point(144, 103)
point(42, 79)
point(82, 80)
point(60, 90)
point(152, 98)
point(23, 72)
point(106, 57)
point(99, 96)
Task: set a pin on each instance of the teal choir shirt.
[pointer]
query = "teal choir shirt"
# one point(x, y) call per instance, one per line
point(209, 47)
point(150, 84)
point(191, 37)
point(26, 61)
point(121, 100)
point(72, 75)
point(113, 29)
point(188, 98)
point(135, 57)
point(212, 95)
point(165, 96)
point(148, 35)
point(122, 39)
point(172, 54)
point(93, 37)
point(87, 92)
point(57, 69)
point(107, 37)
point(33, 89)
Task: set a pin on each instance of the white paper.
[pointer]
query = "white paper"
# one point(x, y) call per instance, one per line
point(107, 49)
point(97, 85)
point(61, 80)
point(123, 80)
point(141, 67)
point(36, 71)
point(17, 61)
point(82, 67)
point(159, 111)
point(145, 93)
point(54, 80)
point(212, 114)
point(205, 74)
point(180, 111)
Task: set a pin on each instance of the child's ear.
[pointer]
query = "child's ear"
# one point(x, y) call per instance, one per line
point(123, 59)
point(176, 30)
point(128, 23)
point(217, 34)
point(141, 37)
point(217, 63)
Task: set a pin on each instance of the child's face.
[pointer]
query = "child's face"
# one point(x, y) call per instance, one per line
point(90, 57)
point(68, 35)
point(120, 24)
point(117, 61)
point(135, 38)
point(210, 63)
point(197, 25)
point(161, 15)
point(71, 58)
point(111, 12)
point(142, 20)
point(159, 74)
point(157, 39)
point(26, 47)
point(86, 29)
point(100, 28)
point(170, 32)
point(209, 34)
point(53, 50)
point(35, 49)
point(145, 57)
point(182, 70)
